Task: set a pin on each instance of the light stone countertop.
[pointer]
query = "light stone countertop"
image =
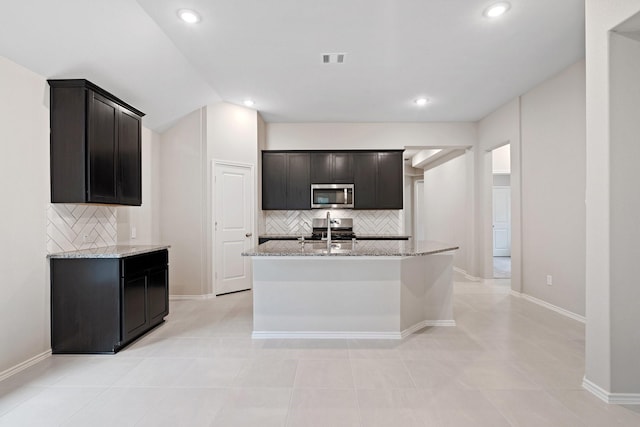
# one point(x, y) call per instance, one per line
point(346, 248)
point(118, 251)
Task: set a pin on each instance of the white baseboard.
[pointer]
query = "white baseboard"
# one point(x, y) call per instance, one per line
point(191, 297)
point(351, 335)
point(467, 275)
point(24, 365)
point(611, 398)
point(552, 307)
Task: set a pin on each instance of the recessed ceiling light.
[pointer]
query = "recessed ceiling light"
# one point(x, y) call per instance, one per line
point(497, 9)
point(189, 16)
point(249, 102)
point(421, 102)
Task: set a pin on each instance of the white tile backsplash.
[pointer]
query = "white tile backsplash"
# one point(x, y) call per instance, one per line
point(67, 226)
point(374, 222)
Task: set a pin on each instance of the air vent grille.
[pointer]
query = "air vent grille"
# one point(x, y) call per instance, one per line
point(333, 58)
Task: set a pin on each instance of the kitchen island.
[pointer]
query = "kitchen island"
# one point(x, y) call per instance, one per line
point(363, 289)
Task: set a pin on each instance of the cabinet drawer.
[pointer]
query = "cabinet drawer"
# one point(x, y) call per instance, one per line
point(138, 264)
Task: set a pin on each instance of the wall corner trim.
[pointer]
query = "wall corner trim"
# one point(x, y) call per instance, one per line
point(610, 398)
point(551, 307)
point(24, 365)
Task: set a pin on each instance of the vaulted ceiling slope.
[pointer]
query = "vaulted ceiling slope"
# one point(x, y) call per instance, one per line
point(270, 51)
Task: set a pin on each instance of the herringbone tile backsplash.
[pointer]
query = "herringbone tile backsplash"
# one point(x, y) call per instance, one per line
point(73, 227)
point(379, 222)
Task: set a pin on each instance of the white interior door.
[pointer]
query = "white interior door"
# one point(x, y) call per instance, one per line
point(501, 221)
point(233, 227)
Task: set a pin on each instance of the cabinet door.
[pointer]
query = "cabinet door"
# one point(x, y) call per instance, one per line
point(365, 173)
point(158, 295)
point(321, 165)
point(129, 159)
point(342, 168)
point(102, 148)
point(390, 186)
point(298, 181)
point(134, 306)
point(274, 180)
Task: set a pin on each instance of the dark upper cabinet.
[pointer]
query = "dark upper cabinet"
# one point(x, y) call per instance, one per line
point(331, 168)
point(298, 182)
point(274, 180)
point(287, 177)
point(365, 177)
point(390, 180)
point(378, 180)
point(95, 146)
point(286, 182)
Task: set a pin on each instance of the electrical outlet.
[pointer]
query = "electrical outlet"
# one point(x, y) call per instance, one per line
point(133, 232)
point(549, 279)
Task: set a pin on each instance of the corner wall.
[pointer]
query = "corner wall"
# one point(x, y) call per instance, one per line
point(182, 221)
point(607, 371)
point(553, 189)
point(24, 181)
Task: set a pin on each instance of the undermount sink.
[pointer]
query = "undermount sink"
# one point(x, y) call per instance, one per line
point(337, 248)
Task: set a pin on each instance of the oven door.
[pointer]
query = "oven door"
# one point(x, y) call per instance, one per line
point(331, 196)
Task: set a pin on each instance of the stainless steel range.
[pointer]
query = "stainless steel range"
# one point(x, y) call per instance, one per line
point(341, 229)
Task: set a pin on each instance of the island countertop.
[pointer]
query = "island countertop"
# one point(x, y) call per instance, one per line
point(117, 251)
point(397, 248)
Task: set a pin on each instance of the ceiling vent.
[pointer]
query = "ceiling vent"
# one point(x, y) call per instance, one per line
point(333, 58)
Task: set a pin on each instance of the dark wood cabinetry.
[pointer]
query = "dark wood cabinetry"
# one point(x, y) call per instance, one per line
point(378, 180)
point(331, 168)
point(286, 180)
point(389, 190)
point(99, 305)
point(95, 146)
point(377, 177)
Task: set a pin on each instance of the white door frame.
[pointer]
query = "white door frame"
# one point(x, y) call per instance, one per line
point(516, 215)
point(214, 164)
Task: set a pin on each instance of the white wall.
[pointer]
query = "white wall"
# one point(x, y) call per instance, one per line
point(347, 136)
point(447, 206)
point(145, 218)
point(182, 221)
point(553, 189)
point(606, 140)
point(24, 183)
point(501, 159)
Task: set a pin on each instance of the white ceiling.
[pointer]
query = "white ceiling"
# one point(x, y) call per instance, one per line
point(270, 50)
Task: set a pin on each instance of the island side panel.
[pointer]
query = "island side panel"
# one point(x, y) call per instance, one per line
point(427, 292)
point(326, 296)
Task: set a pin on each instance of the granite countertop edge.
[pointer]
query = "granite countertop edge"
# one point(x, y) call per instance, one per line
point(117, 251)
point(370, 250)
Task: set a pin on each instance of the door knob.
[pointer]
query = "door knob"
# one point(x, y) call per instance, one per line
point(248, 234)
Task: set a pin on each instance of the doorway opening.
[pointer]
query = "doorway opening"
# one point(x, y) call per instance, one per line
point(501, 211)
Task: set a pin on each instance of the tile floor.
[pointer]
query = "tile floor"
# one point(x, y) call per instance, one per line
point(507, 363)
point(502, 267)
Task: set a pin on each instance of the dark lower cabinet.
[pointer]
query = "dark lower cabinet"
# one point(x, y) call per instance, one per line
point(99, 305)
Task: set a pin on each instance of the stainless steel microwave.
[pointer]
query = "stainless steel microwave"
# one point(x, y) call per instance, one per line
point(331, 196)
